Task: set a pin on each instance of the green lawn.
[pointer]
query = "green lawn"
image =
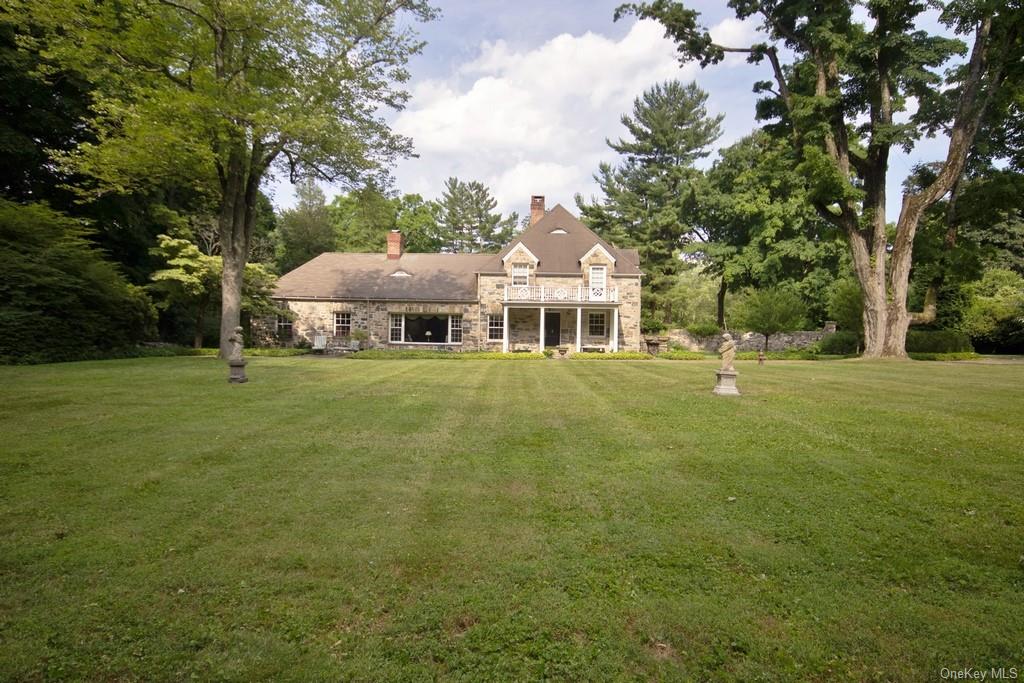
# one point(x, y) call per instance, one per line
point(489, 520)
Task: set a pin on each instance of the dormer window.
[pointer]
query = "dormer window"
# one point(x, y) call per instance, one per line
point(599, 276)
point(559, 231)
point(400, 273)
point(520, 274)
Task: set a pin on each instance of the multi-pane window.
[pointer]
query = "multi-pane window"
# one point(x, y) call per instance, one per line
point(342, 324)
point(425, 328)
point(520, 274)
point(595, 324)
point(284, 326)
point(598, 276)
point(397, 327)
point(495, 327)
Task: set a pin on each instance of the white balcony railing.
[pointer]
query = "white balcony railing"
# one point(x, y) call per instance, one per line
point(557, 294)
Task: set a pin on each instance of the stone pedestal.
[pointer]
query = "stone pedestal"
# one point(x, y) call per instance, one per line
point(726, 385)
point(237, 371)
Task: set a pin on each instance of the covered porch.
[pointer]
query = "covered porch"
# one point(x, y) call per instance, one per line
point(580, 328)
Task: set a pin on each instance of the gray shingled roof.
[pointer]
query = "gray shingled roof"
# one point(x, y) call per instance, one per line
point(431, 277)
point(561, 253)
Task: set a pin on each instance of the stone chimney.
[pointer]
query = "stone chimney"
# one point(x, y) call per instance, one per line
point(536, 208)
point(395, 244)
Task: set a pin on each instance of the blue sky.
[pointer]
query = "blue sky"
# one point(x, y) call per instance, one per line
point(522, 96)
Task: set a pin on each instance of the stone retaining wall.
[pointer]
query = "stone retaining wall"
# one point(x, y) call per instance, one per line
point(751, 341)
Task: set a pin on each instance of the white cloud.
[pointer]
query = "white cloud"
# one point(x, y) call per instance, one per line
point(532, 121)
point(732, 32)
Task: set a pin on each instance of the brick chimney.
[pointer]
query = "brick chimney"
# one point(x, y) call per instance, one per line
point(395, 244)
point(536, 208)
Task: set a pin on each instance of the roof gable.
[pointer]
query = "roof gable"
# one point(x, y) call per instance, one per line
point(519, 247)
point(598, 247)
point(559, 241)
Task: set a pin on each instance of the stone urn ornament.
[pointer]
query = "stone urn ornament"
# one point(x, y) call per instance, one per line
point(726, 375)
point(236, 364)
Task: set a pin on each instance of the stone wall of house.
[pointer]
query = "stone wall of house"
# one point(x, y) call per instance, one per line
point(630, 338)
point(752, 341)
point(491, 291)
point(317, 317)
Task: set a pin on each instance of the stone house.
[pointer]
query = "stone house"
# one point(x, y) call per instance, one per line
point(557, 284)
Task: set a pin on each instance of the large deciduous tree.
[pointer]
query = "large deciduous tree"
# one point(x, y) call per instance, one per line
point(755, 227)
point(649, 197)
point(222, 91)
point(840, 99)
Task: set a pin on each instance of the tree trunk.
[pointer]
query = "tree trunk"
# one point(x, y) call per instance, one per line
point(197, 341)
point(869, 260)
point(766, 343)
point(721, 304)
point(240, 181)
point(231, 301)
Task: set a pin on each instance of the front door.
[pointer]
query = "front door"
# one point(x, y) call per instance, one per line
point(552, 328)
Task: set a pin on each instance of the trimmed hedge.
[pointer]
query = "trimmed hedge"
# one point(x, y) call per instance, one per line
point(960, 355)
point(273, 352)
point(793, 354)
point(170, 350)
point(618, 355)
point(380, 354)
point(938, 341)
point(685, 355)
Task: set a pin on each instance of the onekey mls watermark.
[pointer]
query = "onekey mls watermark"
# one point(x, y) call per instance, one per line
point(971, 673)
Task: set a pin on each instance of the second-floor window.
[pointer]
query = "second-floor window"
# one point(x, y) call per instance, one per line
point(520, 274)
point(342, 324)
point(599, 276)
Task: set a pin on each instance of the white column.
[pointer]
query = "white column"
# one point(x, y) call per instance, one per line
point(615, 330)
point(542, 329)
point(579, 328)
point(504, 332)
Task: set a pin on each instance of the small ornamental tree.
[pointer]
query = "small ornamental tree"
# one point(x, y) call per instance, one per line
point(192, 279)
point(770, 311)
